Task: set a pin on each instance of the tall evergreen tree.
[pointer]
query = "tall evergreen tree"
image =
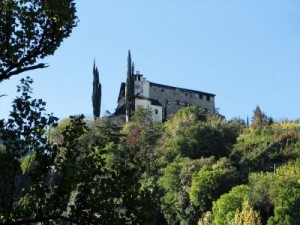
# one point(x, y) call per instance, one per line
point(129, 93)
point(259, 118)
point(96, 96)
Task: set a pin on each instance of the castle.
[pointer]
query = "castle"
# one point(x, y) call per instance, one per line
point(163, 100)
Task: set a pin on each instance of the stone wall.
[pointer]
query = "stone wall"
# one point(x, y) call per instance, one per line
point(173, 99)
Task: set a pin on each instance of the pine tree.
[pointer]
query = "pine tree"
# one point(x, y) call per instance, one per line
point(129, 93)
point(96, 96)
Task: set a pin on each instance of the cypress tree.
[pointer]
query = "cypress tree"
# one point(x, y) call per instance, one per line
point(129, 92)
point(96, 96)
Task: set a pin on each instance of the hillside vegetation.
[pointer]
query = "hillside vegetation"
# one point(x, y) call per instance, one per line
point(190, 170)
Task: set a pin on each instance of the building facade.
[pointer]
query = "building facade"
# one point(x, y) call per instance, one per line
point(163, 100)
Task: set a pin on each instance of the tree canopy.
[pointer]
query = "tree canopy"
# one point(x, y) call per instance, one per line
point(32, 30)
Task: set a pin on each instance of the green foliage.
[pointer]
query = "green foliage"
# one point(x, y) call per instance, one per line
point(190, 134)
point(247, 216)
point(32, 30)
point(259, 118)
point(67, 166)
point(141, 116)
point(260, 186)
point(27, 162)
point(94, 172)
point(170, 180)
point(176, 182)
point(87, 177)
point(286, 202)
point(211, 182)
point(105, 195)
point(173, 197)
point(24, 133)
point(285, 195)
point(195, 141)
point(225, 207)
point(188, 137)
point(184, 117)
point(276, 191)
point(55, 134)
point(262, 148)
point(206, 219)
point(101, 133)
point(139, 137)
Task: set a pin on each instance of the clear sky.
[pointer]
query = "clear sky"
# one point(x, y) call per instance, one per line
point(247, 52)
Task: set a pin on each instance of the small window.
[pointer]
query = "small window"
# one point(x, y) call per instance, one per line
point(208, 98)
point(156, 111)
point(162, 90)
point(168, 102)
point(200, 96)
point(177, 102)
point(185, 104)
point(186, 94)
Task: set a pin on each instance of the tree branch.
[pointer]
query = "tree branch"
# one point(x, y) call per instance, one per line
point(5, 76)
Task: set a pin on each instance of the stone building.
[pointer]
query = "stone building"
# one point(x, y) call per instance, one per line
point(163, 100)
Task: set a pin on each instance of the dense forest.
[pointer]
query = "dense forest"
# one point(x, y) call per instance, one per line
point(191, 169)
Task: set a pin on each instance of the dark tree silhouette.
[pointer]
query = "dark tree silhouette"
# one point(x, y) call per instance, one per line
point(96, 96)
point(32, 30)
point(129, 94)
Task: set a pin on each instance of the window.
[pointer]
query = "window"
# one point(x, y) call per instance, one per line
point(200, 96)
point(156, 111)
point(162, 90)
point(168, 102)
point(186, 94)
point(177, 102)
point(208, 98)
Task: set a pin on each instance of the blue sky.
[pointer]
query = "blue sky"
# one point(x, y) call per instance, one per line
point(247, 52)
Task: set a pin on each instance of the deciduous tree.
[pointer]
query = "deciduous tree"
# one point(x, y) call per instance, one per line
point(225, 207)
point(32, 30)
point(211, 182)
point(247, 216)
